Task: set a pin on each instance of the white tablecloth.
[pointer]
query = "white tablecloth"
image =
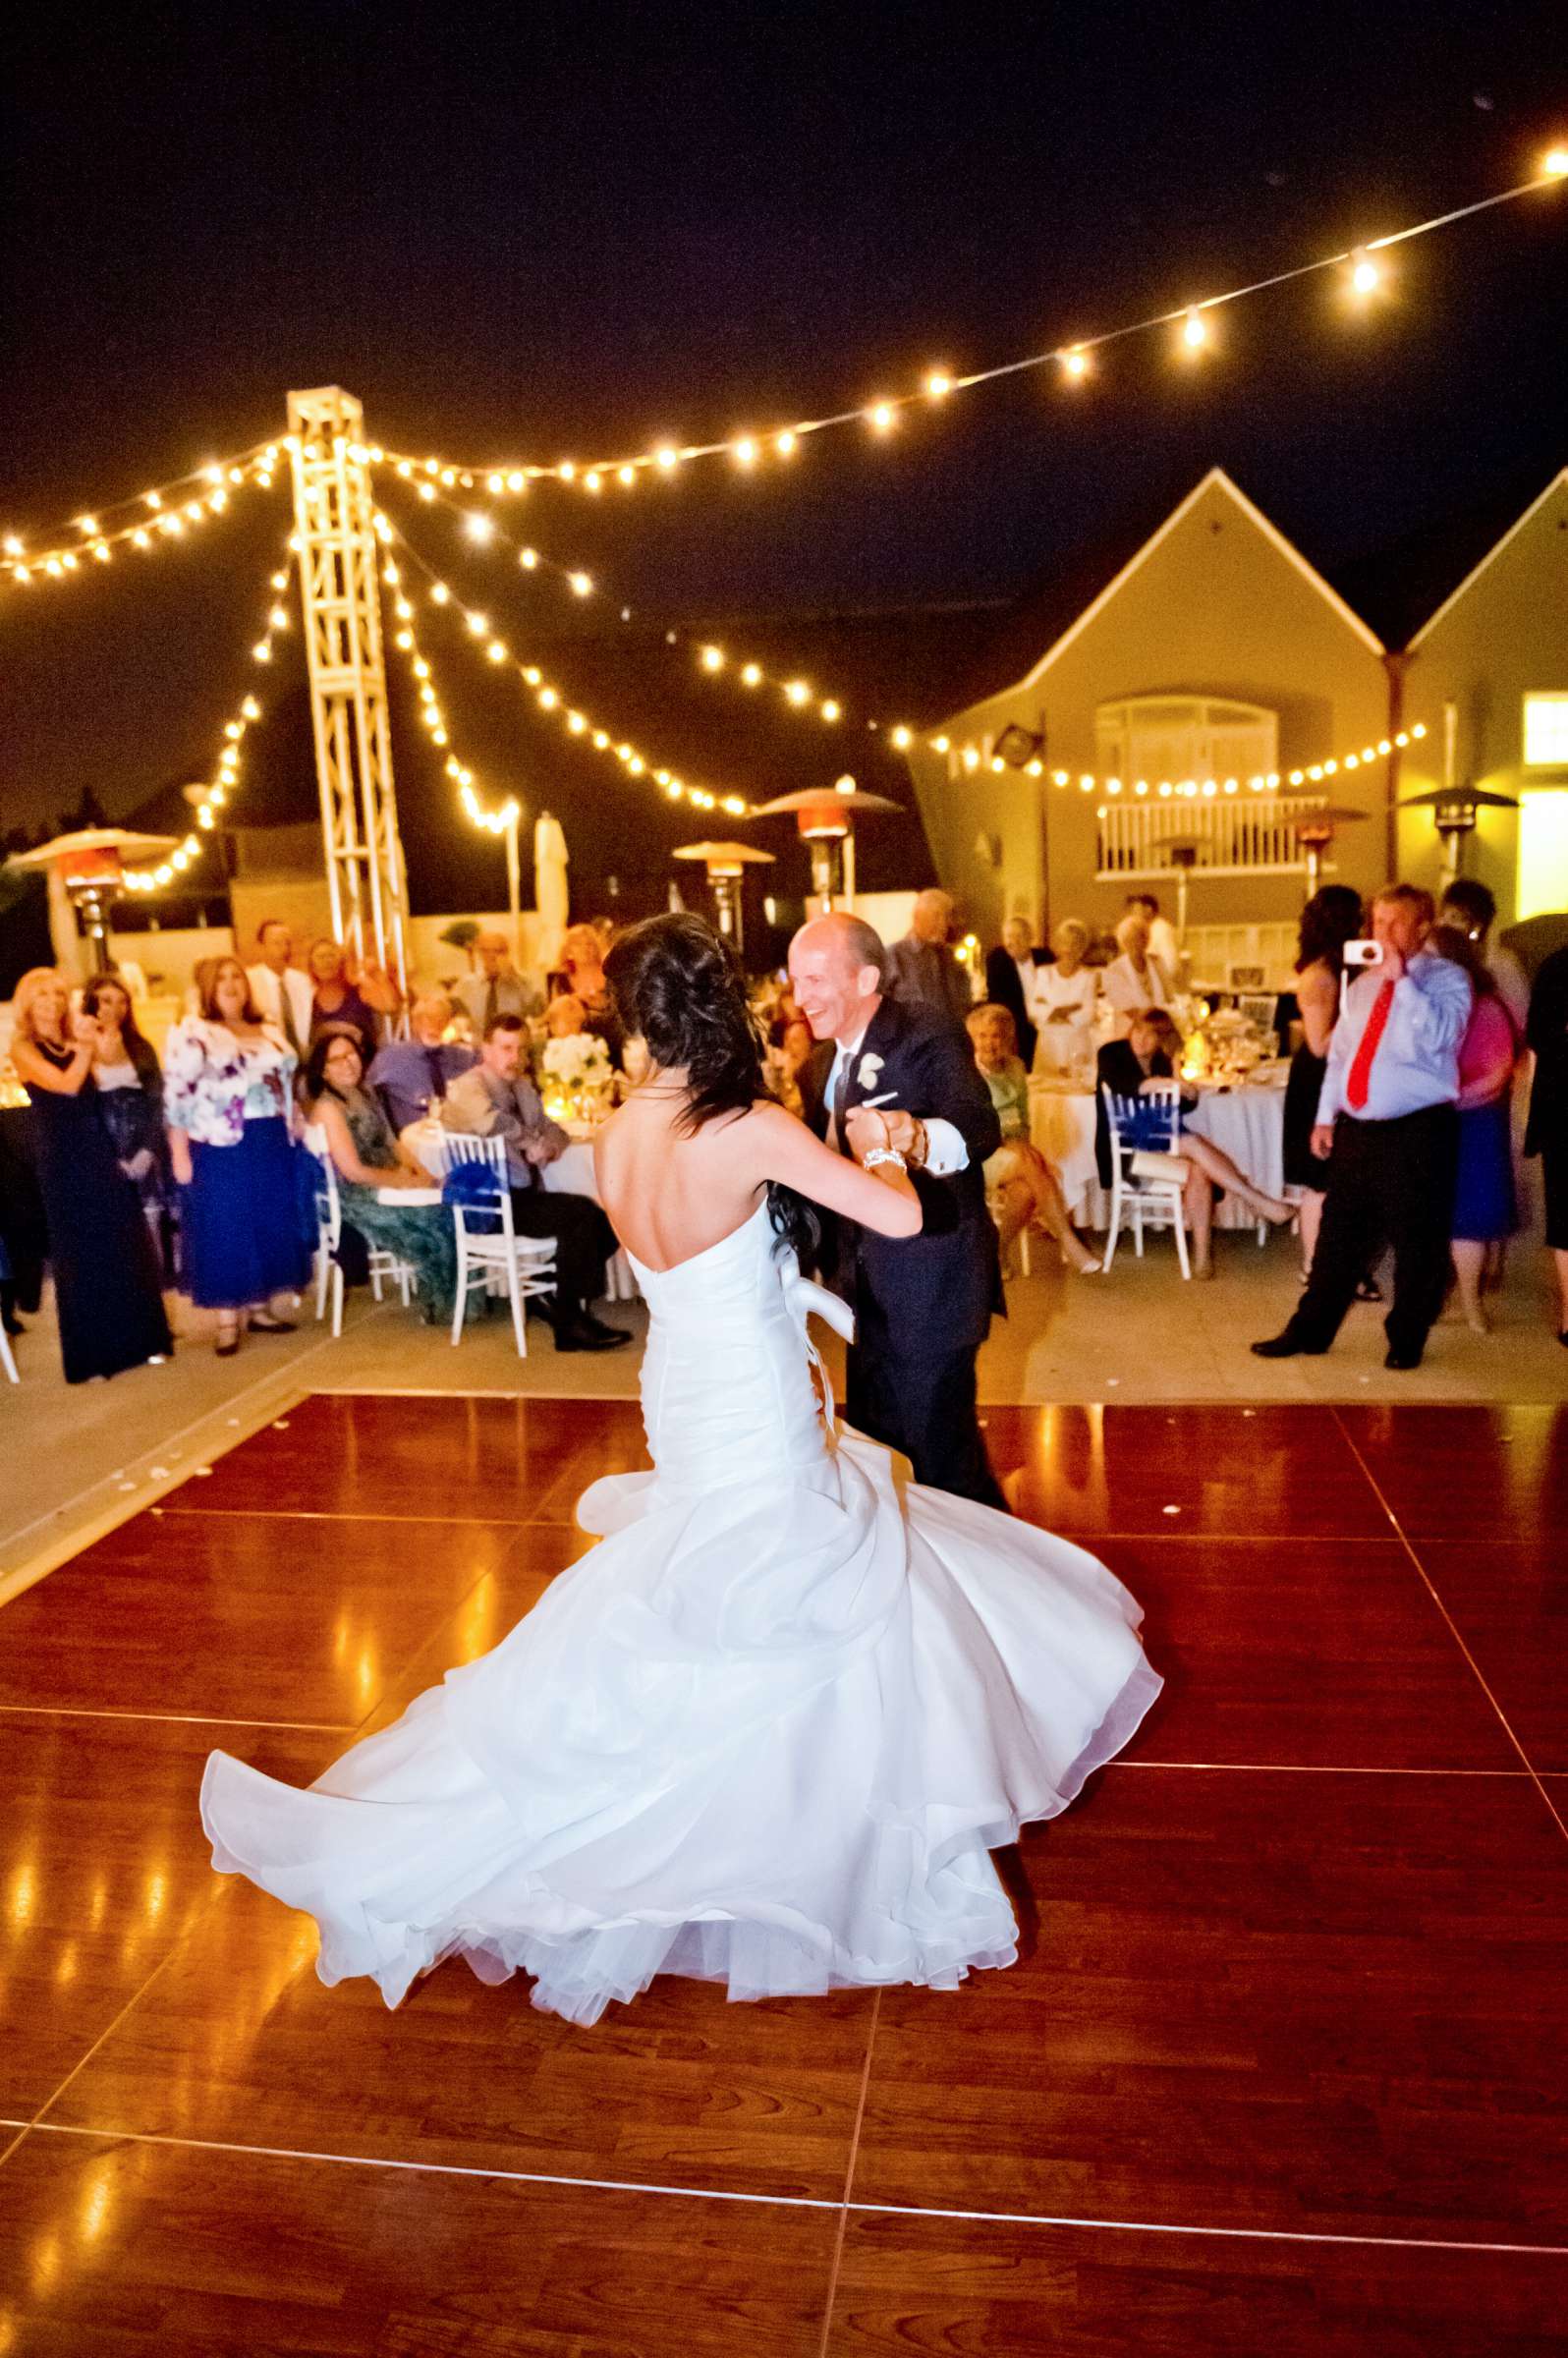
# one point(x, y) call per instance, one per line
point(1249, 1124)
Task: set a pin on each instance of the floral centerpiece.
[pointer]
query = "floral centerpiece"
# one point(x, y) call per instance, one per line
point(578, 1078)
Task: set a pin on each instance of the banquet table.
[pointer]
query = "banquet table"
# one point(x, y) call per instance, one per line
point(1248, 1121)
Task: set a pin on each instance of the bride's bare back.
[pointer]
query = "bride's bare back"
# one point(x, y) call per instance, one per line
point(672, 1196)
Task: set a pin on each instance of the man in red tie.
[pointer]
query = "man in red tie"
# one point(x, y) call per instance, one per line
point(1387, 1129)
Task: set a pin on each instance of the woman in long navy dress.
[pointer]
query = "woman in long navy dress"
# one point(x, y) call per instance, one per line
point(107, 1294)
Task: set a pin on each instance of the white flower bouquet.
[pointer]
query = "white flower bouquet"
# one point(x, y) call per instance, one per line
point(578, 1080)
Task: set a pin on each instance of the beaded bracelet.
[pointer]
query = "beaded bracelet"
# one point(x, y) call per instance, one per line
point(879, 1155)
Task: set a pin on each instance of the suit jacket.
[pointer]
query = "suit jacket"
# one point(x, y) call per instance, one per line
point(1004, 987)
point(1117, 1069)
point(481, 1102)
point(926, 973)
point(515, 995)
point(939, 1289)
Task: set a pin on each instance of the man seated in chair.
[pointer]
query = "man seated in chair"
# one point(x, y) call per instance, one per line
point(1126, 1067)
point(498, 1099)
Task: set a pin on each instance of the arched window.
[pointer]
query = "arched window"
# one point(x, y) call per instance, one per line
point(1182, 737)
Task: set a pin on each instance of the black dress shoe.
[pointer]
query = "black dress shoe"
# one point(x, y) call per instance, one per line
point(1402, 1360)
point(613, 1335)
point(1288, 1346)
point(576, 1334)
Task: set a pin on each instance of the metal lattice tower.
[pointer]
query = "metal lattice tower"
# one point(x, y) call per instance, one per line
point(334, 514)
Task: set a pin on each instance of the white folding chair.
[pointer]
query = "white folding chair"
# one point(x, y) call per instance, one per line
point(1146, 1126)
point(7, 1358)
point(385, 1265)
point(492, 1256)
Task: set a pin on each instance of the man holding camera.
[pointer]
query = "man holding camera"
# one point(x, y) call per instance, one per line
point(1387, 1129)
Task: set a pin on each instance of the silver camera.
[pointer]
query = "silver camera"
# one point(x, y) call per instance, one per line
point(1362, 953)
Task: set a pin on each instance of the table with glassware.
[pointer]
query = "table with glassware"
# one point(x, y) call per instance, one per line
point(570, 1174)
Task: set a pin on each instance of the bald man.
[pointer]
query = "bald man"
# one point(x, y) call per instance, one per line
point(924, 1304)
point(921, 970)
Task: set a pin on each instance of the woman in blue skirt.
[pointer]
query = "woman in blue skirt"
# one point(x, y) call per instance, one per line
point(227, 1082)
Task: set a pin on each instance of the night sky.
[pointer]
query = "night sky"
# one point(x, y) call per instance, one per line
point(541, 231)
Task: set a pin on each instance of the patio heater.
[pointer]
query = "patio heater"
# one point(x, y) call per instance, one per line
point(826, 817)
point(1315, 830)
point(726, 865)
point(90, 866)
point(1453, 810)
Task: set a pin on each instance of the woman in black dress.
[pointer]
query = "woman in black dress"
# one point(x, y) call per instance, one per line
point(1547, 1133)
point(129, 1081)
point(107, 1295)
point(1330, 918)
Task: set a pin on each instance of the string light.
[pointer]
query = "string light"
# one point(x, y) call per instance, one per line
point(549, 698)
point(972, 758)
point(214, 796)
point(150, 517)
point(1366, 275)
point(1190, 321)
point(433, 717)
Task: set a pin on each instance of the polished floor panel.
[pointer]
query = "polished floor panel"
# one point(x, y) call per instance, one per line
point(1510, 1604)
point(247, 1615)
point(1468, 1472)
point(1243, 1473)
point(102, 1869)
point(1290, 1996)
point(440, 1459)
point(912, 2287)
point(1303, 1654)
point(1319, 2003)
point(114, 2249)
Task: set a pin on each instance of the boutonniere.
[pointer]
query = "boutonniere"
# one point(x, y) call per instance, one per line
point(867, 1072)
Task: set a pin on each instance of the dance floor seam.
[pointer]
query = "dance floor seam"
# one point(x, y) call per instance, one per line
point(1080, 2222)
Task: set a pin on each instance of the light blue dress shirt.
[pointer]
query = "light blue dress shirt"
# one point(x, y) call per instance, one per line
point(1417, 1062)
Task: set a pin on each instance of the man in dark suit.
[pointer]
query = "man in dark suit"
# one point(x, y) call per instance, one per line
point(924, 1304)
point(1010, 982)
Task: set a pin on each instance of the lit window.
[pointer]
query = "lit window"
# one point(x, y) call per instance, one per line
point(1546, 732)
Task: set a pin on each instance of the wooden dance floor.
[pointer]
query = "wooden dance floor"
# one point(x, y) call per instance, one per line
point(1281, 2070)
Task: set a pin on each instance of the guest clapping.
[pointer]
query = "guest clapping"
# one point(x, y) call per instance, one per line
point(412, 1076)
point(1020, 1184)
point(368, 1156)
point(106, 1277)
point(228, 1078)
point(1066, 995)
point(129, 1081)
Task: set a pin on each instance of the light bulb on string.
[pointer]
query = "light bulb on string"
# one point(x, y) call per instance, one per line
point(1075, 364)
point(1366, 275)
point(1195, 329)
point(1554, 163)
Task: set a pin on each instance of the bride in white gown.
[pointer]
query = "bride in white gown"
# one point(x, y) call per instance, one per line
point(770, 1729)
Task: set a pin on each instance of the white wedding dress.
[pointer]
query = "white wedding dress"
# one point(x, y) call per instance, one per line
point(767, 1733)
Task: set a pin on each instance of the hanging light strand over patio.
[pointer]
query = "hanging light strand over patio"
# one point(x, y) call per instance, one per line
point(972, 758)
point(549, 699)
point(713, 662)
point(156, 520)
point(432, 713)
point(227, 769)
point(881, 415)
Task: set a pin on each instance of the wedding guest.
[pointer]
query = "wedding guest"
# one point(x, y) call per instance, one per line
point(412, 1076)
point(787, 1059)
point(1126, 1067)
point(1485, 1209)
point(280, 993)
point(368, 1156)
point(1469, 906)
point(566, 1017)
point(342, 997)
point(1546, 1131)
point(1330, 918)
point(1022, 1188)
point(129, 1082)
point(1163, 939)
point(1387, 1128)
point(582, 961)
point(228, 1076)
point(496, 1100)
point(1011, 973)
point(108, 1300)
point(921, 970)
point(1135, 978)
point(498, 989)
point(1066, 992)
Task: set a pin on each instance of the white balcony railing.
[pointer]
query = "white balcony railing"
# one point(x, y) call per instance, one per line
point(1251, 834)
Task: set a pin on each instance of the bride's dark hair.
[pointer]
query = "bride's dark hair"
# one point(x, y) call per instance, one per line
point(679, 985)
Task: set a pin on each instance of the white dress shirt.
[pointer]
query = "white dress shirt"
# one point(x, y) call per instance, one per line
point(267, 989)
point(1416, 1062)
point(945, 1150)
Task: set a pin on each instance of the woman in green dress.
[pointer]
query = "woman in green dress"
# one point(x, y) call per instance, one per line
point(1021, 1187)
point(368, 1157)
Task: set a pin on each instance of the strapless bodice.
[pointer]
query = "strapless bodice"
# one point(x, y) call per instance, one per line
point(727, 1391)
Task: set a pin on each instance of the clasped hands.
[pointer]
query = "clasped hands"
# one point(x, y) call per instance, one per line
point(867, 1127)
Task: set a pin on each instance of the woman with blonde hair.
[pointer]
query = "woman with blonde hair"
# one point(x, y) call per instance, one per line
point(583, 959)
point(229, 1107)
point(107, 1296)
point(1066, 995)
